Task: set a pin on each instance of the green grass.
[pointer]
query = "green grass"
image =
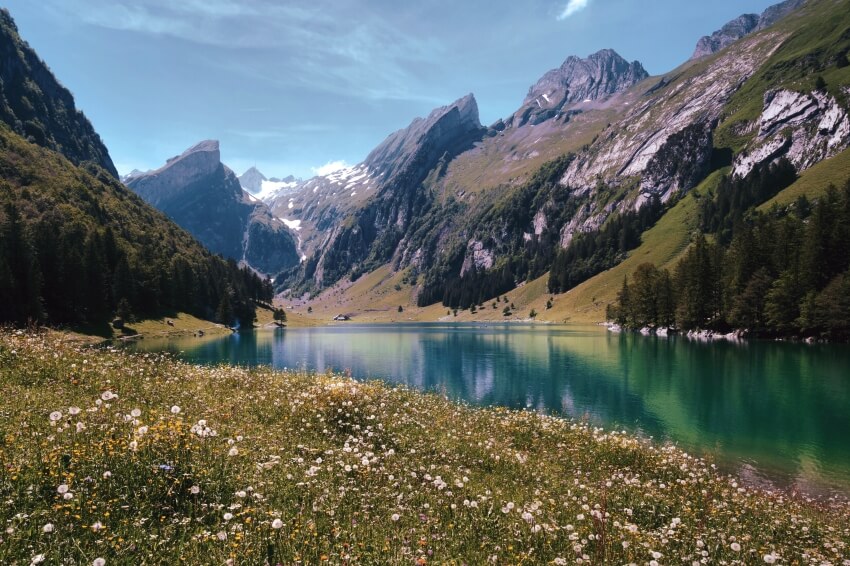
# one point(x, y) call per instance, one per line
point(165, 463)
point(814, 181)
point(662, 245)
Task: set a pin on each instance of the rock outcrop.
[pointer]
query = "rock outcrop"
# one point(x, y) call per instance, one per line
point(742, 26)
point(37, 107)
point(803, 127)
point(577, 81)
point(205, 198)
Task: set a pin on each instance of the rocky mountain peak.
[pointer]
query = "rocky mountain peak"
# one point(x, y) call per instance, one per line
point(778, 11)
point(446, 129)
point(576, 81)
point(190, 167)
point(207, 149)
point(204, 197)
point(742, 26)
point(252, 180)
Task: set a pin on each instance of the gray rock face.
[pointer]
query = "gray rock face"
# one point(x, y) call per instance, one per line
point(363, 212)
point(679, 165)
point(252, 180)
point(178, 175)
point(805, 128)
point(205, 198)
point(578, 80)
point(727, 35)
point(446, 129)
point(742, 26)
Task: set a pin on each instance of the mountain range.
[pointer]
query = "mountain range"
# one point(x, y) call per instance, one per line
point(447, 200)
point(551, 203)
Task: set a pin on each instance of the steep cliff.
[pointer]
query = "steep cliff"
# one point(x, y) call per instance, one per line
point(205, 197)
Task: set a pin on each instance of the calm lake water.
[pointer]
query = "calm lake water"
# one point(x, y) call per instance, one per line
point(772, 412)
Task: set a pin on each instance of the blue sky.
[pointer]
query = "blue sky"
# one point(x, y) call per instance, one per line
point(293, 85)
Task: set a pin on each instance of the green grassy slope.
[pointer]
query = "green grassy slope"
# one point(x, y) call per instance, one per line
point(813, 182)
point(662, 245)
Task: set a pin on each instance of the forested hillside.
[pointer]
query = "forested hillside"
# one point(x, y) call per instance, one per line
point(77, 246)
point(776, 273)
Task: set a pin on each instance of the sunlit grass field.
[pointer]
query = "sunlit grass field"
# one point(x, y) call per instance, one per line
point(112, 458)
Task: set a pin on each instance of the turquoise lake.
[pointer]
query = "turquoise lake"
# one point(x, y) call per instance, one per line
point(773, 412)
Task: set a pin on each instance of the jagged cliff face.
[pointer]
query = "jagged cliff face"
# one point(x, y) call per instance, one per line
point(448, 130)
point(35, 106)
point(804, 127)
point(205, 197)
point(575, 82)
point(356, 218)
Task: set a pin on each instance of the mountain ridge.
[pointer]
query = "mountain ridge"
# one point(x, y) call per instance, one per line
point(742, 26)
point(36, 106)
point(653, 141)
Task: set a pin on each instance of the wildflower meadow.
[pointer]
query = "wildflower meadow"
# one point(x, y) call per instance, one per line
point(111, 458)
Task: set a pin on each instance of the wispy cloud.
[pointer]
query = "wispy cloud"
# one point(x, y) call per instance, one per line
point(322, 44)
point(328, 168)
point(572, 7)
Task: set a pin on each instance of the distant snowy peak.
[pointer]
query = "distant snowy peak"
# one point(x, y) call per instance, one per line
point(264, 189)
point(269, 190)
point(131, 175)
point(252, 180)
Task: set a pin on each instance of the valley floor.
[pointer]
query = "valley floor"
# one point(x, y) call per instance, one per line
point(141, 459)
